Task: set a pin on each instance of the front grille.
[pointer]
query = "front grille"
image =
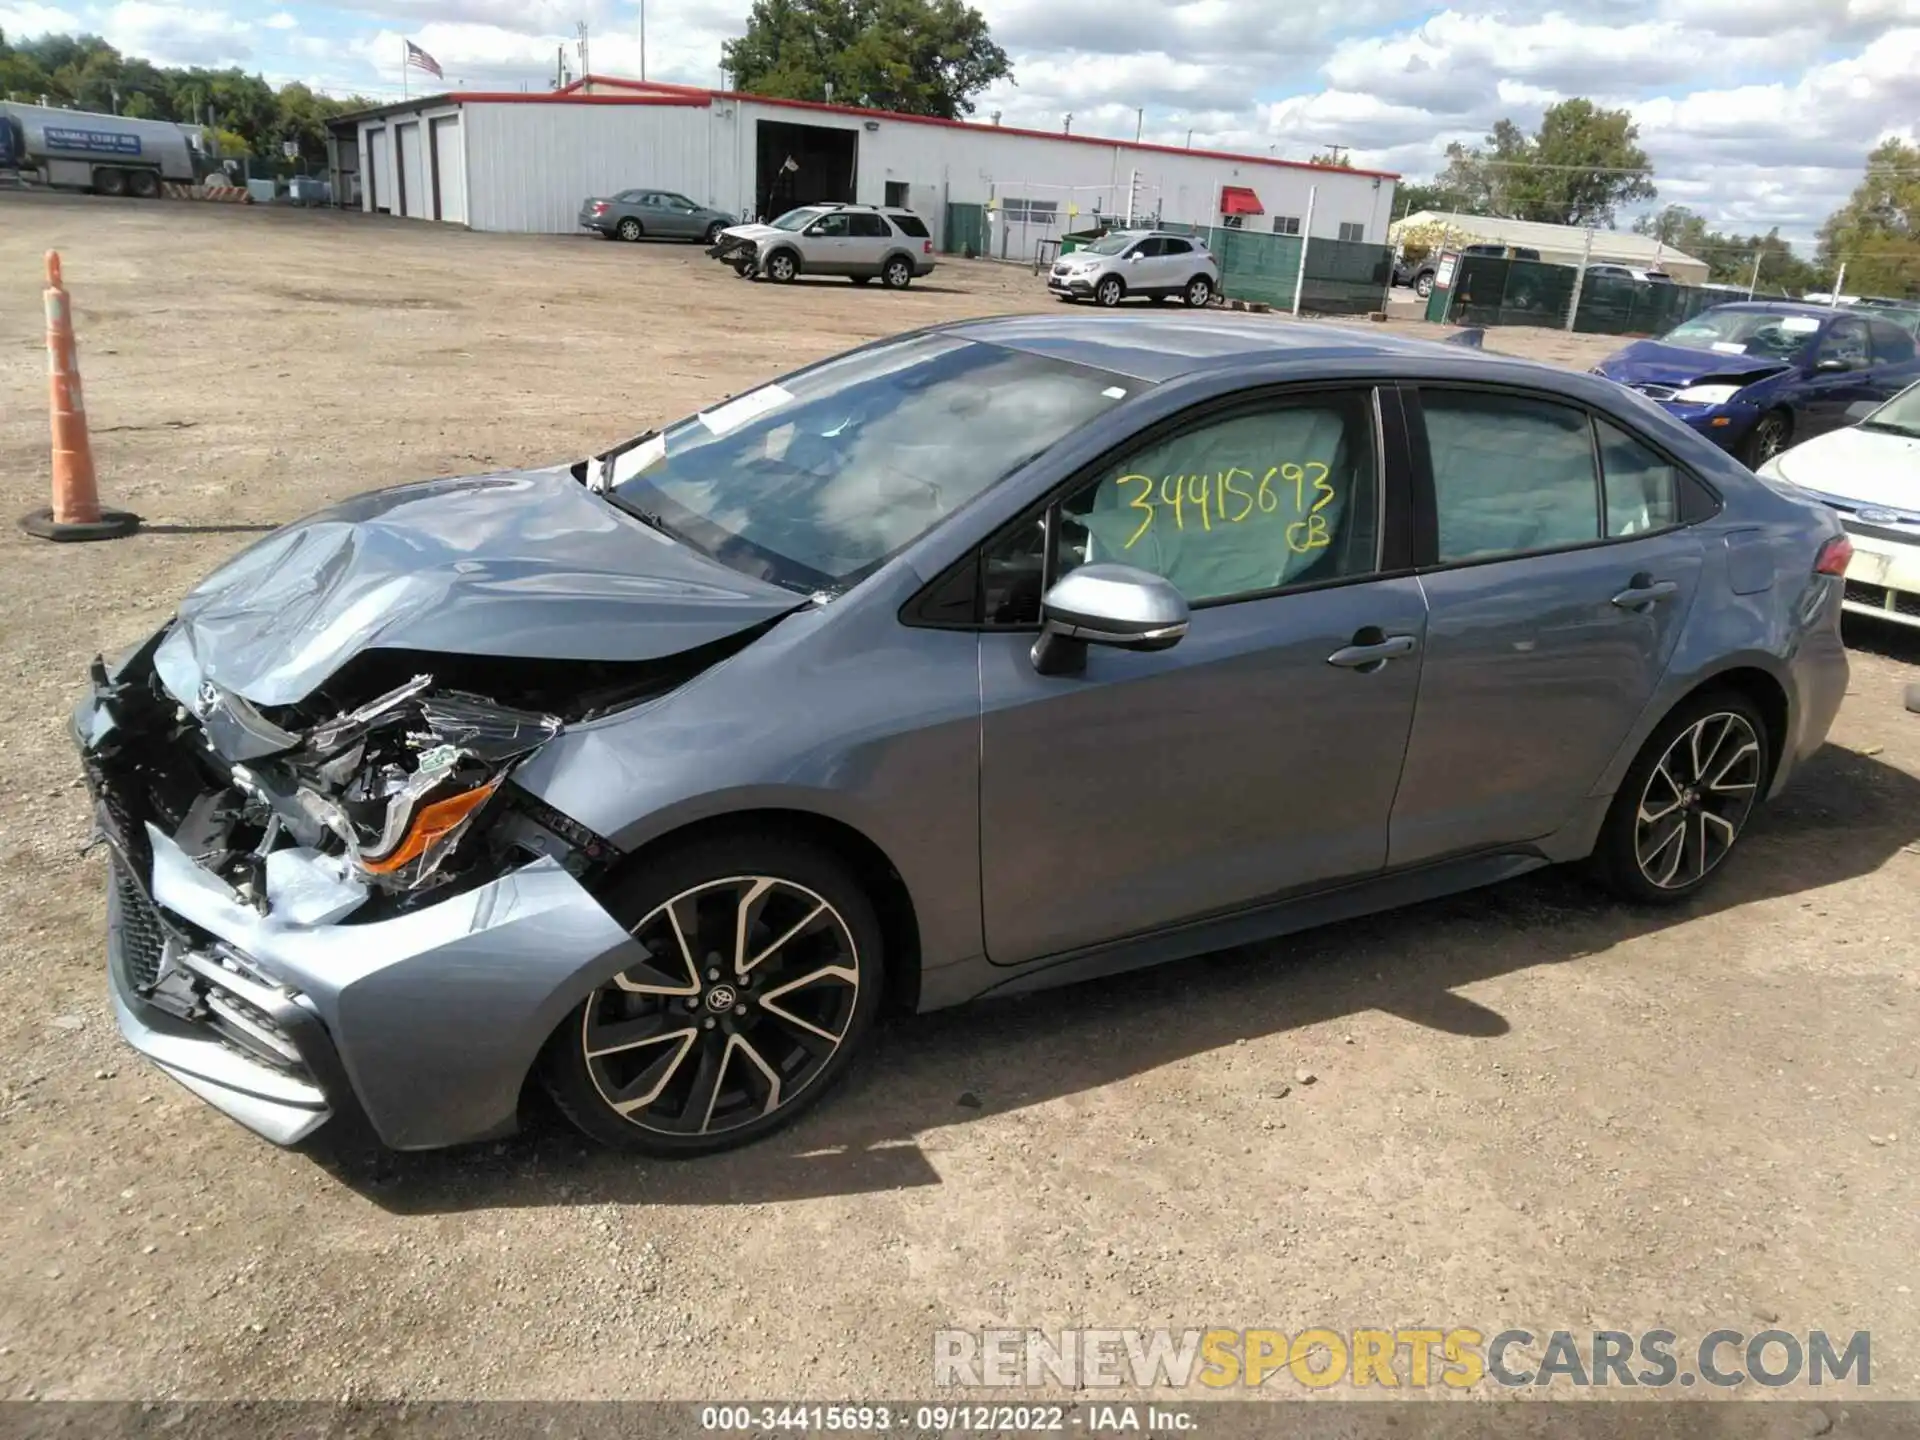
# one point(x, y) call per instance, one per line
point(142, 937)
point(1861, 593)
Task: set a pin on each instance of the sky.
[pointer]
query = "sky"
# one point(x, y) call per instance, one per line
point(1757, 113)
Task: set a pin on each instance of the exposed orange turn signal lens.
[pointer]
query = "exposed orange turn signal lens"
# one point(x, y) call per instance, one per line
point(430, 825)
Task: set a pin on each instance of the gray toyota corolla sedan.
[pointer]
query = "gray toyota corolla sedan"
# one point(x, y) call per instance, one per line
point(976, 660)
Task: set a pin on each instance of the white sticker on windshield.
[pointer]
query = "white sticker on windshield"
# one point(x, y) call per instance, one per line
point(750, 406)
point(1727, 347)
point(1114, 392)
point(640, 459)
point(1799, 324)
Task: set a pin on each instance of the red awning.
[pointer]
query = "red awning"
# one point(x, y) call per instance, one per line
point(1238, 200)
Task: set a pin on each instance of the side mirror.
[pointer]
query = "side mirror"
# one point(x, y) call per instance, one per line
point(1113, 605)
point(1134, 258)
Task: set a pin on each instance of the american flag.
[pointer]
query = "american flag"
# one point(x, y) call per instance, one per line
point(418, 59)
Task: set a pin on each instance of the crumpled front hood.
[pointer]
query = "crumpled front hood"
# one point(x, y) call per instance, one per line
point(755, 233)
point(517, 565)
point(1648, 362)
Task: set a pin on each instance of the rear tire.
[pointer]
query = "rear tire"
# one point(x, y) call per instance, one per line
point(144, 185)
point(897, 274)
point(110, 182)
point(1199, 293)
point(691, 1054)
point(629, 229)
point(1423, 285)
point(1685, 802)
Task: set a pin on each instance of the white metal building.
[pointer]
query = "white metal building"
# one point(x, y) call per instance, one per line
point(524, 162)
point(1563, 244)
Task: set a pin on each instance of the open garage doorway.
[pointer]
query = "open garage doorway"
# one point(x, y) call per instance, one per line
point(801, 165)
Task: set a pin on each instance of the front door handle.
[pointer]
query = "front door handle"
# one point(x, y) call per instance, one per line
point(1645, 591)
point(1371, 656)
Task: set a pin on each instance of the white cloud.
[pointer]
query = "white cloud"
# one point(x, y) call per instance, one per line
point(175, 34)
point(24, 21)
point(281, 20)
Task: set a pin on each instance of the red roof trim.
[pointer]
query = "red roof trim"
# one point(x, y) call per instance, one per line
point(661, 86)
point(560, 97)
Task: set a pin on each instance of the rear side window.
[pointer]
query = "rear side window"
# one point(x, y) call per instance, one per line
point(1891, 344)
point(1510, 474)
point(867, 225)
point(1642, 490)
point(1175, 247)
point(910, 225)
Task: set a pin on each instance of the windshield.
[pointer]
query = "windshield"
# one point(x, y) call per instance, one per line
point(1110, 244)
point(815, 482)
point(1763, 334)
point(798, 219)
point(1900, 415)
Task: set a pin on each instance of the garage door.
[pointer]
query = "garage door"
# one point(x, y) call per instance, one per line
point(379, 171)
point(416, 195)
point(449, 177)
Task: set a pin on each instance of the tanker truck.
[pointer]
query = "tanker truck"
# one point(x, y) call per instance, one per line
point(107, 154)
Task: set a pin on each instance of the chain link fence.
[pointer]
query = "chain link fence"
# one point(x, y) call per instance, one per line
point(1492, 290)
point(1342, 277)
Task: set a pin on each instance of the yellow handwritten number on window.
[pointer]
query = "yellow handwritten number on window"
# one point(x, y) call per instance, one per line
point(1210, 494)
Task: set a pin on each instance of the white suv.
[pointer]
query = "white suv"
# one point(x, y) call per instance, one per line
point(862, 242)
point(1137, 262)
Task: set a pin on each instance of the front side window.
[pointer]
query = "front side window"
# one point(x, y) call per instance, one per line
point(1510, 474)
point(1270, 495)
point(816, 481)
point(832, 227)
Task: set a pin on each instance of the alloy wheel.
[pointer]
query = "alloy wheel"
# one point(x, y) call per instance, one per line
point(898, 274)
point(629, 229)
point(1696, 800)
point(748, 990)
point(1109, 292)
point(1199, 292)
point(1770, 437)
point(780, 267)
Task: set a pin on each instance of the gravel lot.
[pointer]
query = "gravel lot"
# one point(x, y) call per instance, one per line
point(1519, 1107)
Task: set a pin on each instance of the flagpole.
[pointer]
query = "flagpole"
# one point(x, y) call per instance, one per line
point(406, 91)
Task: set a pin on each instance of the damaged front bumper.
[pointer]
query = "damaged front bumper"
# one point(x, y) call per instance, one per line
point(284, 1008)
point(735, 251)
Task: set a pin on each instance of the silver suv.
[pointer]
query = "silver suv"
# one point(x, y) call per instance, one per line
point(862, 242)
point(1137, 262)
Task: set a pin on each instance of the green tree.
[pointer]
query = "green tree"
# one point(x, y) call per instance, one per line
point(1333, 155)
point(1876, 234)
point(1578, 168)
point(915, 57)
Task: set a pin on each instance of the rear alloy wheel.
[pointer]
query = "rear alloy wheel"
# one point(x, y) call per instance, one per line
point(1768, 438)
point(1686, 800)
point(1423, 286)
point(1199, 292)
point(629, 229)
point(715, 231)
point(780, 266)
point(1110, 292)
point(761, 976)
point(898, 274)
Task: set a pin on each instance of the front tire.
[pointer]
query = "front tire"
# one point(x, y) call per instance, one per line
point(762, 979)
point(1423, 286)
point(1109, 292)
point(781, 267)
point(629, 229)
point(1686, 800)
point(1769, 436)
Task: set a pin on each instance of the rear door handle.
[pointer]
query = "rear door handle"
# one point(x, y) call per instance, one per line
point(1644, 592)
point(1372, 657)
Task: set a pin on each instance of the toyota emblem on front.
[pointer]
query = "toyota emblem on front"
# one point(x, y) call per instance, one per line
point(721, 997)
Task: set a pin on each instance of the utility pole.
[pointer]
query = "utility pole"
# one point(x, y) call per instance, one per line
point(585, 68)
point(1580, 279)
point(1067, 128)
point(643, 41)
point(1306, 239)
point(1839, 282)
point(1139, 122)
point(1753, 282)
point(1189, 137)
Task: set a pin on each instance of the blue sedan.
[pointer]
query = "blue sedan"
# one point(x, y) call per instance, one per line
point(1757, 377)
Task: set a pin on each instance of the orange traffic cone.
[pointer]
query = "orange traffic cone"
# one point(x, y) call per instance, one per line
point(76, 513)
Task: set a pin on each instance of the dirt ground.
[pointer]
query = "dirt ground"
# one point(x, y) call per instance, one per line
point(1527, 1107)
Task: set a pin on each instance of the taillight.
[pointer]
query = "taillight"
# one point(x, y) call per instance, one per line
point(599, 207)
point(926, 247)
point(1834, 556)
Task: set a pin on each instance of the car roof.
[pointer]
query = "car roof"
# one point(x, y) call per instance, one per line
point(1162, 347)
point(1781, 307)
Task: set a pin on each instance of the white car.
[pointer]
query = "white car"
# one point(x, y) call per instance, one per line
point(1137, 262)
point(1870, 474)
point(889, 243)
